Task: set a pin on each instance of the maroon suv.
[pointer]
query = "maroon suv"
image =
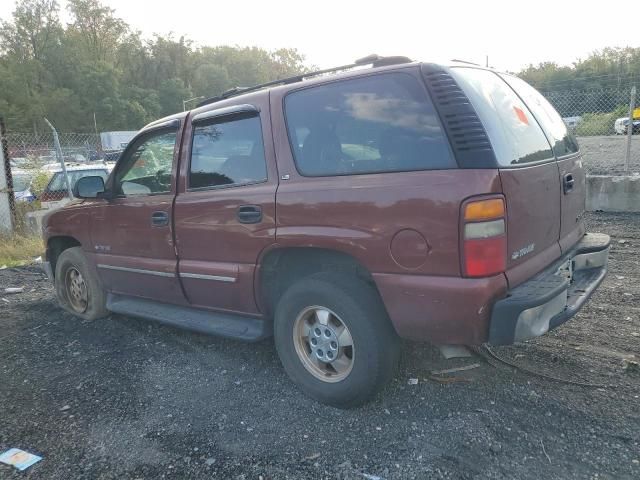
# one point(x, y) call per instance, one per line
point(340, 213)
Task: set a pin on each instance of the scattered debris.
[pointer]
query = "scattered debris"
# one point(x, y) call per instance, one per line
point(37, 260)
point(14, 290)
point(314, 456)
point(454, 351)
point(413, 381)
point(371, 477)
point(65, 408)
point(543, 375)
point(631, 366)
point(545, 451)
point(456, 369)
point(19, 458)
point(3, 267)
point(210, 461)
point(622, 241)
point(449, 379)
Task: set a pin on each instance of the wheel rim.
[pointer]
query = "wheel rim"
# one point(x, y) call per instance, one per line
point(77, 292)
point(324, 344)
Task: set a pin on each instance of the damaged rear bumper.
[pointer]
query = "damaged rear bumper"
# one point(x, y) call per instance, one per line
point(553, 296)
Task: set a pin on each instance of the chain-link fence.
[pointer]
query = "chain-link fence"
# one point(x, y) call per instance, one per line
point(33, 180)
point(600, 121)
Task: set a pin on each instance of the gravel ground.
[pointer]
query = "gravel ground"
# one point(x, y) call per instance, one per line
point(127, 399)
point(606, 155)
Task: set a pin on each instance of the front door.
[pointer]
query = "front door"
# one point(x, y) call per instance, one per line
point(225, 208)
point(132, 233)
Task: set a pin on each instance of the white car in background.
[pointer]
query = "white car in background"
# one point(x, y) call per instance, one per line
point(621, 124)
point(56, 195)
point(22, 185)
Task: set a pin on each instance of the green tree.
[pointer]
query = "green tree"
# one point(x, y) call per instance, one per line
point(210, 79)
point(98, 65)
point(172, 92)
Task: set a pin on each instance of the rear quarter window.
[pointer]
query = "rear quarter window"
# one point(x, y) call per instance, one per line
point(374, 124)
point(515, 135)
point(564, 143)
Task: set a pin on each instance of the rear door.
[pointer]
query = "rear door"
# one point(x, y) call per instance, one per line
point(571, 171)
point(225, 210)
point(528, 172)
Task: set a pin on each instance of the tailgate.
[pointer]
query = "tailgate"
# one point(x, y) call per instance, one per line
point(570, 171)
point(528, 172)
point(573, 196)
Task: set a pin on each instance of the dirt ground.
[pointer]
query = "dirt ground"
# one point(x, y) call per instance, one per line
point(127, 399)
point(605, 155)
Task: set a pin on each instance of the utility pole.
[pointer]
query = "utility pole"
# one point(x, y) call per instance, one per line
point(56, 143)
point(632, 102)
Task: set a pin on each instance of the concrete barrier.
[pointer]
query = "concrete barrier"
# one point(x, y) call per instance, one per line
point(613, 193)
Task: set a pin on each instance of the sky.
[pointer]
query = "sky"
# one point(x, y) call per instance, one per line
point(330, 33)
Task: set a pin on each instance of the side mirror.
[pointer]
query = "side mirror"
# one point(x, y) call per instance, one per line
point(88, 187)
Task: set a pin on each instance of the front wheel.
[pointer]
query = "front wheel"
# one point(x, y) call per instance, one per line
point(335, 339)
point(78, 288)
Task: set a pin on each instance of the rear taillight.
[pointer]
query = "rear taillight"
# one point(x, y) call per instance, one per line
point(484, 237)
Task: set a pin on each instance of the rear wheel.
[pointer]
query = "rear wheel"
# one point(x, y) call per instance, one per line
point(78, 288)
point(335, 340)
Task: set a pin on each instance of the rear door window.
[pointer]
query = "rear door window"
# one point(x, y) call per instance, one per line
point(515, 135)
point(564, 143)
point(381, 123)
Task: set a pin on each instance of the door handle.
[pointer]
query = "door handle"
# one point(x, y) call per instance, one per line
point(249, 214)
point(159, 219)
point(567, 183)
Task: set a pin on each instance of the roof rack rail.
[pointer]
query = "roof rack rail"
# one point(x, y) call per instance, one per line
point(373, 60)
point(465, 61)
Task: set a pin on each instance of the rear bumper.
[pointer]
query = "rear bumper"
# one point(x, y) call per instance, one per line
point(553, 296)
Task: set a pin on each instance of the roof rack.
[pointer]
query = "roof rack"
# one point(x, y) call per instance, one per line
point(373, 60)
point(464, 61)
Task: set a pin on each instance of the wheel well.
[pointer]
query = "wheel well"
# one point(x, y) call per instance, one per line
point(281, 268)
point(57, 245)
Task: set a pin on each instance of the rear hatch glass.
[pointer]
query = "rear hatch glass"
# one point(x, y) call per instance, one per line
point(528, 171)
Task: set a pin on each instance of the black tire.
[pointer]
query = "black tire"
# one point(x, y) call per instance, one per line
point(74, 258)
point(375, 342)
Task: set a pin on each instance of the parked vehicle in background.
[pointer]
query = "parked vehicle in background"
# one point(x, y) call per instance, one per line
point(572, 122)
point(22, 185)
point(116, 140)
point(55, 195)
point(341, 213)
point(113, 143)
point(621, 126)
point(112, 156)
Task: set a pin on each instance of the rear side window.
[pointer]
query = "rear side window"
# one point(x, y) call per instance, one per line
point(564, 143)
point(227, 152)
point(382, 123)
point(515, 135)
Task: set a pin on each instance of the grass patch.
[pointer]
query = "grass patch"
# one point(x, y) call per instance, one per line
point(19, 249)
